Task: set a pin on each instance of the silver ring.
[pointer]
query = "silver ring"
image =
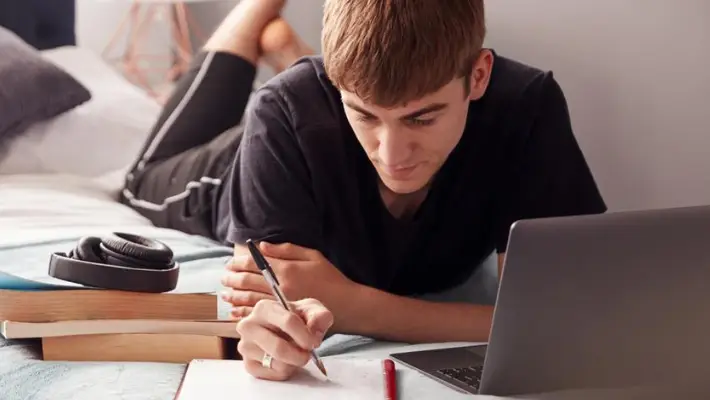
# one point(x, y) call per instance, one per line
point(266, 361)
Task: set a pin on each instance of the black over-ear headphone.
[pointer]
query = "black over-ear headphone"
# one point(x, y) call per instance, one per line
point(121, 261)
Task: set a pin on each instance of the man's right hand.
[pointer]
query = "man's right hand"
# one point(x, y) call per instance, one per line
point(288, 337)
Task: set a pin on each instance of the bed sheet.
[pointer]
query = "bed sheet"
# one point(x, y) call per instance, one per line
point(42, 207)
point(41, 214)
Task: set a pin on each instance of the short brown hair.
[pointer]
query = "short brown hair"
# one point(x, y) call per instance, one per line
point(390, 52)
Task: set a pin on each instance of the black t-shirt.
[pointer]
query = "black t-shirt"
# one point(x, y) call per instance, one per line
point(301, 176)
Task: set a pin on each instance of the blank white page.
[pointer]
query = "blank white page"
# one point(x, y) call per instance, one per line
point(347, 379)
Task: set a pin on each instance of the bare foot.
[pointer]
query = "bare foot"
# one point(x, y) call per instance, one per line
point(281, 46)
point(242, 29)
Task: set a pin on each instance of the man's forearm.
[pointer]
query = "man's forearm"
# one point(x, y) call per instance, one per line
point(385, 316)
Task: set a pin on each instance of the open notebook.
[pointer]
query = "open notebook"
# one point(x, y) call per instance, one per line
point(347, 379)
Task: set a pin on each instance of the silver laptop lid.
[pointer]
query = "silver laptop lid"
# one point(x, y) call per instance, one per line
point(612, 300)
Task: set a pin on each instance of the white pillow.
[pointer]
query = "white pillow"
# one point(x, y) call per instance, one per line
point(102, 135)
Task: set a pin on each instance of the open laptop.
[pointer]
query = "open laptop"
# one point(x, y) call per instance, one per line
point(617, 300)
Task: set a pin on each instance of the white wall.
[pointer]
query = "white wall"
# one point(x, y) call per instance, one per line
point(636, 74)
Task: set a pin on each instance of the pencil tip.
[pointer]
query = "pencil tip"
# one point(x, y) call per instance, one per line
point(321, 367)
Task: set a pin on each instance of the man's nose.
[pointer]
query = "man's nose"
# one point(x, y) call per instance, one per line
point(395, 149)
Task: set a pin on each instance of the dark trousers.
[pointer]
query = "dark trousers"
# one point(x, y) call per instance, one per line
point(180, 173)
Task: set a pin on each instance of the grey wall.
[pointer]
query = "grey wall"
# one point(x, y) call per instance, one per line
point(97, 20)
point(636, 74)
point(304, 15)
point(637, 77)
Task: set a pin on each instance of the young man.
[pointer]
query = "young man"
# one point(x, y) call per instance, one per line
point(392, 166)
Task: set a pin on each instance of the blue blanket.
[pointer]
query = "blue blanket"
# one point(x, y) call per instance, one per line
point(23, 375)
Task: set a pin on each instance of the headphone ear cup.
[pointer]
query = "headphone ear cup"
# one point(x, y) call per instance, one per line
point(87, 249)
point(139, 248)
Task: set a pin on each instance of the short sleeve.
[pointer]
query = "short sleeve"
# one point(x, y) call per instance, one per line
point(270, 191)
point(548, 175)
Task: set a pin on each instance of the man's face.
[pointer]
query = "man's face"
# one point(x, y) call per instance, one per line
point(407, 145)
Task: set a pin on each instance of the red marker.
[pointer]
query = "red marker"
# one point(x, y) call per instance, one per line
point(390, 380)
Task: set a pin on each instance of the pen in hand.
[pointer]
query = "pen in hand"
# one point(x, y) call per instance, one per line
point(273, 282)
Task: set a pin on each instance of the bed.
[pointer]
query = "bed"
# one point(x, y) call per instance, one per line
point(51, 194)
point(53, 191)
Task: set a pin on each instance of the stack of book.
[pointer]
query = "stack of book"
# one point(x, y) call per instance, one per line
point(81, 324)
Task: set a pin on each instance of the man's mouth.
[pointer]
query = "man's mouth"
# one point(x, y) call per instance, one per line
point(399, 172)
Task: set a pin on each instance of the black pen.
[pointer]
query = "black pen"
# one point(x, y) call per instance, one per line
point(270, 277)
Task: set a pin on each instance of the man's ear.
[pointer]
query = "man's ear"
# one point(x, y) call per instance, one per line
point(481, 74)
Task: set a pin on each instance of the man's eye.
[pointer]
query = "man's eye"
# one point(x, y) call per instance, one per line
point(421, 122)
point(365, 118)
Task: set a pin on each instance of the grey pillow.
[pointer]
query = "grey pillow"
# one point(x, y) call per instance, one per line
point(32, 89)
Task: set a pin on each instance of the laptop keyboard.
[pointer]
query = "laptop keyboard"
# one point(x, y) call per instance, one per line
point(469, 376)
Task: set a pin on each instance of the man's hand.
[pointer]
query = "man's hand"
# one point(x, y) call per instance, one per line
point(286, 336)
point(302, 273)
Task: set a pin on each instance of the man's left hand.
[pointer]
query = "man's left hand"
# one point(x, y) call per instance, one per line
point(302, 273)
